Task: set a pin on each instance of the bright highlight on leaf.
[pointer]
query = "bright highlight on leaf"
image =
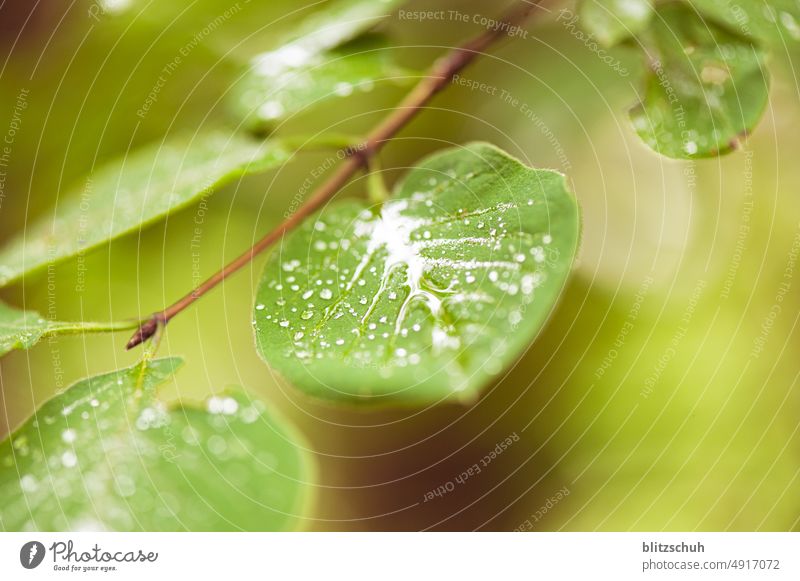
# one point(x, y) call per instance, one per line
point(134, 191)
point(427, 296)
point(324, 58)
point(23, 329)
point(338, 22)
point(706, 89)
point(612, 21)
point(278, 85)
point(107, 455)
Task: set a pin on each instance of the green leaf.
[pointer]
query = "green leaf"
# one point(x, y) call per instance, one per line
point(612, 21)
point(106, 454)
point(338, 22)
point(134, 191)
point(706, 88)
point(233, 30)
point(276, 86)
point(307, 68)
point(772, 22)
point(23, 329)
point(427, 296)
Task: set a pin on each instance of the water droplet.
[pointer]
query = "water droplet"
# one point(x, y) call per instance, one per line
point(69, 459)
point(125, 485)
point(249, 415)
point(343, 89)
point(222, 405)
point(714, 74)
point(791, 25)
point(152, 417)
point(28, 483)
point(68, 436)
point(217, 445)
point(270, 110)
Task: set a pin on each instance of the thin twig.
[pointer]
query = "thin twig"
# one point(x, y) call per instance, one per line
point(437, 79)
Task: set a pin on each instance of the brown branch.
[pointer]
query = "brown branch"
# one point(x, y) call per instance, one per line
point(437, 79)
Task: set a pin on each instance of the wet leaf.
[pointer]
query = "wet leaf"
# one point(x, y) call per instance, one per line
point(336, 23)
point(311, 65)
point(23, 329)
point(707, 87)
point(131, 192)
point(106, 454)
point(769, 21)
point(612, 21)
point(428, 296)
point(281, 83)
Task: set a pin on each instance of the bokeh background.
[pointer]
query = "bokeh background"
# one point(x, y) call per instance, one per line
point(662, 395)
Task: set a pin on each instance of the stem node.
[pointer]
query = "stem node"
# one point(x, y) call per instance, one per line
point(146, 330)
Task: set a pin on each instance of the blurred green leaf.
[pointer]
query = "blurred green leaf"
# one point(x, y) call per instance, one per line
point(276, 86)
point(307, 68)
point(772, 22)
point(706, 88)
point(337, 22)
point(106, 454)
point(427, 296)
point(233, 29)
point(133, 191)
point(612, 21)
point(23, 329)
